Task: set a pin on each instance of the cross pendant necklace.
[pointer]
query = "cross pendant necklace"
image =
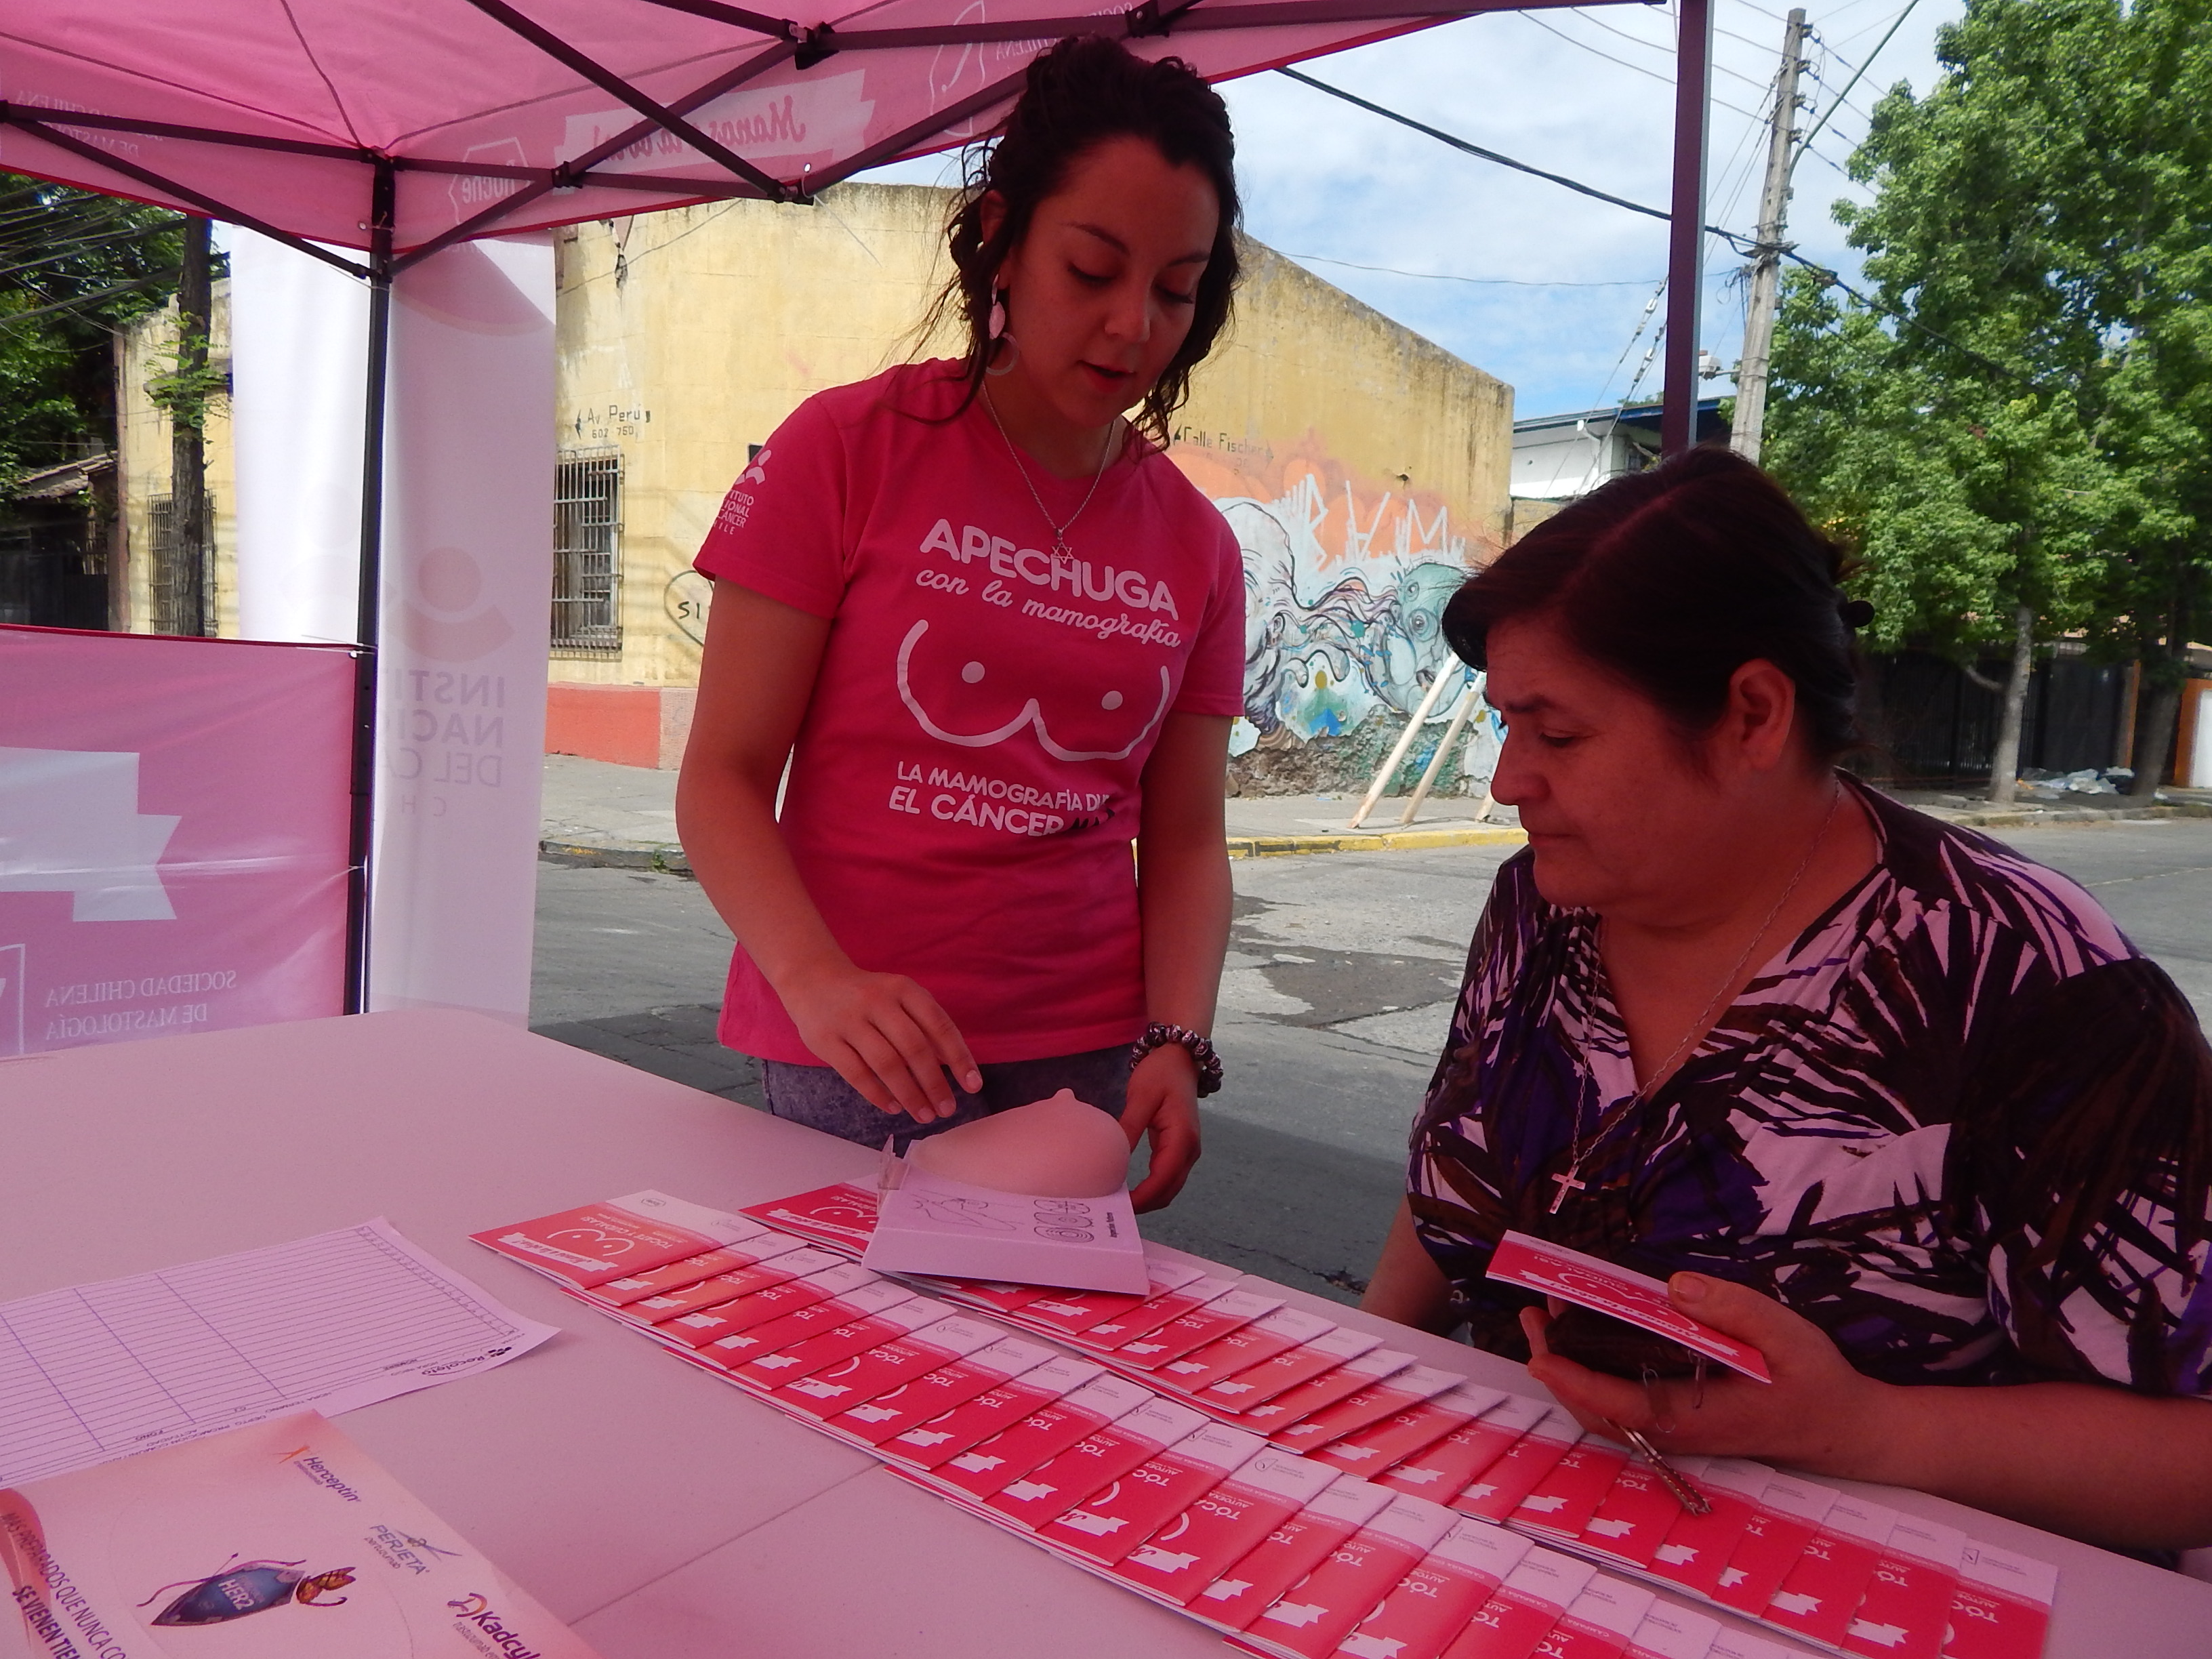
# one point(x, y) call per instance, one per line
point(1579, 1148)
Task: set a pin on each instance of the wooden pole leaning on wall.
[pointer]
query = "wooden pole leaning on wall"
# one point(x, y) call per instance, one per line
point(1460, 715)
point(1398, 754)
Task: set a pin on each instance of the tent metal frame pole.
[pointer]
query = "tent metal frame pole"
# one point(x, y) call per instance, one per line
point(1685, 233)
point(369, 612)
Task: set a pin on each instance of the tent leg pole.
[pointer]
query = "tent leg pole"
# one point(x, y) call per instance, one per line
point(1686, 233)
point(368, 617)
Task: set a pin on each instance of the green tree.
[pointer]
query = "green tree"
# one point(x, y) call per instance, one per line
point(2012, 427)
point(74, 267)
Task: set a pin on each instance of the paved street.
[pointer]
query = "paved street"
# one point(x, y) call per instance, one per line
point(1338, 991)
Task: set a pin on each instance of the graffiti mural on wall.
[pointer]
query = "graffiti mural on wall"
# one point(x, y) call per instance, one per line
point(1344, 591)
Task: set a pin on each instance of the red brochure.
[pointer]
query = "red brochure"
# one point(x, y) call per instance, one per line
point(1338, 1382)
point(1789, 1513)
point(596, 1243)
point(1194, 1329)
point(1176, 1288)
point(1697, 1546)
point(794, 1263)
point(1109, 1524)
point(785, 1332)
point(1671, 1632)
point(1598, 1623)
point(1741, 1645)
point(1094, 1463)
point(997, 1298)
point(1318, 1612)
point(1563, 1502)
point(1398, 1436)
point(2002, 1609)
point(887, 1322)
point(1223, 1358)
point(1632, 1518)
point(1536, 1265)
point(1907, 1605)
point(992, 1412)
point(1453, 1463)
point(621, 1292)
point(842, 1217)
point(1436, 1597)
point(1502, 1487)
point(1291, 1551)
point(870, 1375)
point(1821, 1592)
point(930, 1395)
point(1197, 1546)
point(1042, 1435)
point(730, 1333)
point(1370, 1406)
point(1525, 1609)
point(1263, 1382)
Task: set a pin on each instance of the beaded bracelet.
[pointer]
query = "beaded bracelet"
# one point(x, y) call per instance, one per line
point(1158, 1034)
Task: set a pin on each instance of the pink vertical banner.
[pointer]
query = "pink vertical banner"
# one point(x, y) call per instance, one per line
point(172, 835)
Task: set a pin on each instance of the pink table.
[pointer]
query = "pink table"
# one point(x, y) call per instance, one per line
point(661, 1512)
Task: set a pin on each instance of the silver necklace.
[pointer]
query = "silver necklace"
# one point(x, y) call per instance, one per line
point(1608, 1122)
point(1058, 531)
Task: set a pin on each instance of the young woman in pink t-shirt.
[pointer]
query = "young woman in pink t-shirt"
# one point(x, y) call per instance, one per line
point(1000, 638)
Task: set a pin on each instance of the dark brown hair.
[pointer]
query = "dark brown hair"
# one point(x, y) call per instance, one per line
point(1084, 91)
point(1673, 579)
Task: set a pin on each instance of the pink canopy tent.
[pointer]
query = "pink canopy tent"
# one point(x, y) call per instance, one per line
point(397, 127)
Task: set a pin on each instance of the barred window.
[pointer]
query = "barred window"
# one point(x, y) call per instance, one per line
point(178, 588)
point(587, 554)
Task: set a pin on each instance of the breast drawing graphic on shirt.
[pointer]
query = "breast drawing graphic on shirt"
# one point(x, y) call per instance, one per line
point(956, 695)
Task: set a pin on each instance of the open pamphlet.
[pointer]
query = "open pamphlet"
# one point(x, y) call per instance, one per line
point(262, 1542)
point(1298, 1485)
point(928, 1223)
point(1590, 1282)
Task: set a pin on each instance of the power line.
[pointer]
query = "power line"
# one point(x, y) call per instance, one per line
point(1740, 242)
point(10, 318)
point(1806, 142)
point(1664, 80)
point(1667, 50)
point(1448, 277)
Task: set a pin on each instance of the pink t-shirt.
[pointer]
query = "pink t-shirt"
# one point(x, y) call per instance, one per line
point(966, 783)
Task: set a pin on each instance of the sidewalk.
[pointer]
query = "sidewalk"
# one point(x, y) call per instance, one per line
point(596, 812)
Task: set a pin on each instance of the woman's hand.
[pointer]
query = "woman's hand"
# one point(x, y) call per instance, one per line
point(1817, 1414)
point(885, 1034)
point(1162, 1108)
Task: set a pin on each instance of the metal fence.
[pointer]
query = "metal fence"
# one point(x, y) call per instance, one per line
point(178, 584)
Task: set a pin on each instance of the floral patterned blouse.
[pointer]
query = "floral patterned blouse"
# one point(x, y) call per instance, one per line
point(1960, 1123)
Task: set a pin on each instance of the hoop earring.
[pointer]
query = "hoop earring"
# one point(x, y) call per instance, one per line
point(1013, 355)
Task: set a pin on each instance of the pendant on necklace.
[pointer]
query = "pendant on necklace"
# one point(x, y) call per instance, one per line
point(1059, 546)
point(1567, 1183)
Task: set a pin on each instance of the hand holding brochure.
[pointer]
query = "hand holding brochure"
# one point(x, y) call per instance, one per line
point(1588, 1282)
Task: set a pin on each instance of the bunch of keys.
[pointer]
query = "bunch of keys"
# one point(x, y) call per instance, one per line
point(1686, 1495)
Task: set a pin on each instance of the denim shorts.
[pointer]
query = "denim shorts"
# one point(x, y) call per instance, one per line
point(817, 1096)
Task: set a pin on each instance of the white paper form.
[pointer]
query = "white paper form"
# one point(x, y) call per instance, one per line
point(340, 1320)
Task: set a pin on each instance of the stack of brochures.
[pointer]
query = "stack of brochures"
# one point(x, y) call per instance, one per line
point(1298, 1486)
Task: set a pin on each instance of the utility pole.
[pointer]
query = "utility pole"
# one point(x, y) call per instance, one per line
point(1766, 255)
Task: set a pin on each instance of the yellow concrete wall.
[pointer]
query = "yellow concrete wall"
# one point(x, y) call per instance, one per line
point(143, 452)
point(1364, 467)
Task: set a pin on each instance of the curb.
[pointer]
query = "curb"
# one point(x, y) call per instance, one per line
point(1361, 840)
point(2031, 817)
point(667, 858)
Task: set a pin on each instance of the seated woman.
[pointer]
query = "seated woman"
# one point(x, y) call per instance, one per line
point(1901, 1109)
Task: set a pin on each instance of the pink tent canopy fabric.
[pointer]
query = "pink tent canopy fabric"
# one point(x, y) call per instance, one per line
point(491, 116)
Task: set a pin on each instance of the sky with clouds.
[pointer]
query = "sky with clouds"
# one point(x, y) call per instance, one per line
point(1540, 286)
